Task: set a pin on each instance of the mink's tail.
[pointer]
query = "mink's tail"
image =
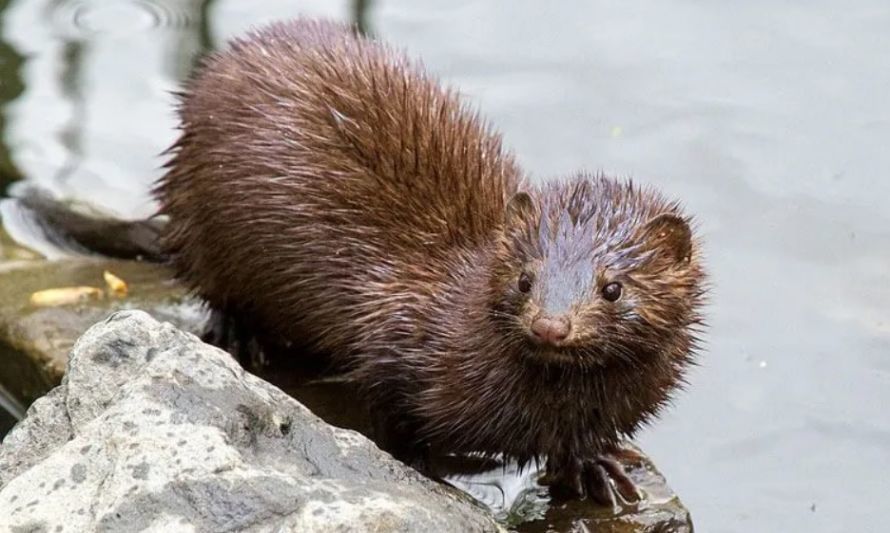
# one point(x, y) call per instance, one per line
point(61, 229)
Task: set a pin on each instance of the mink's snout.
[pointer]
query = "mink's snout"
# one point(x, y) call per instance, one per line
point(551, 330)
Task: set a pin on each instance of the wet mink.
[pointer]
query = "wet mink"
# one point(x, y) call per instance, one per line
point(327, 190)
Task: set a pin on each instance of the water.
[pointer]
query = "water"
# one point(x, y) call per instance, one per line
point(10, 411)
point(771, 120)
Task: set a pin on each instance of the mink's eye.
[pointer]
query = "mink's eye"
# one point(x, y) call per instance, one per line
point(525, 282)
point(612, 291)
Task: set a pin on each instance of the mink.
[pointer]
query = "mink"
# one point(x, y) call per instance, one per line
point(327, 190)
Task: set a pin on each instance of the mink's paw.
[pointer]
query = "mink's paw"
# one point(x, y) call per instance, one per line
point(599, 479)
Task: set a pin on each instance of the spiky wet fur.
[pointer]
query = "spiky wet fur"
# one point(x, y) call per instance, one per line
point(328, 191)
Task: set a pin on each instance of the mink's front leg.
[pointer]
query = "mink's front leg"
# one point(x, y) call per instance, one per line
point(396, 433)
point(228, 331)
point(597, 478)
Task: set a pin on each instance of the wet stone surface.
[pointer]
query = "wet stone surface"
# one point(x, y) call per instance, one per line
point(35, 340)
point(518, 501)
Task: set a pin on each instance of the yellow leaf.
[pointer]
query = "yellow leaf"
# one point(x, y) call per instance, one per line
point(116, 286)
point(65, 296)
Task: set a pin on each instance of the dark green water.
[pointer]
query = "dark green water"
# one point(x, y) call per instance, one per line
point(771, 120)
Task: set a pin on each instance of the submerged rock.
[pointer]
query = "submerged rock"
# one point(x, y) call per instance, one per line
point(516, 499)
point(153, 430)
point(35, 339)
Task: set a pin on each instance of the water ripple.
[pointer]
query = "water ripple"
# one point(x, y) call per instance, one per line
point(87, 18)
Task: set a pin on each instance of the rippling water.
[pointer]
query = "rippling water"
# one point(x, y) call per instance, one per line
point(771, 120)
point(83, 19)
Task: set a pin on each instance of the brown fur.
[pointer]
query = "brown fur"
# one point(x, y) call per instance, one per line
point(329, 191)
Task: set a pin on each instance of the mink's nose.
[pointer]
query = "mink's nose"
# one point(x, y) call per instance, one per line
point(551, 330)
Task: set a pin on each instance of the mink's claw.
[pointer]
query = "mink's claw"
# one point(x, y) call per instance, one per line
point(624, 485)
point(599, 479)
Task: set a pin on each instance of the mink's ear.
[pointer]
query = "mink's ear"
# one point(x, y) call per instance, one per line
point(520, 206)
point(670, 236)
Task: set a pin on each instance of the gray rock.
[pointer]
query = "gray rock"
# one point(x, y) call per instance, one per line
point(153, 430)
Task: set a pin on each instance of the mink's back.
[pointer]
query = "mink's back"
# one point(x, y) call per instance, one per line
point(321, 178)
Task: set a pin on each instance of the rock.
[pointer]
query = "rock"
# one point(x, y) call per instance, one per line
point(152, 430)
point(10, 250)
point(34, 341)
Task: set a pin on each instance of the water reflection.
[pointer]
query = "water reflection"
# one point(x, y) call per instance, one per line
point(11, 410)
point(10, 88)
point(360, 14)
point(98, 109)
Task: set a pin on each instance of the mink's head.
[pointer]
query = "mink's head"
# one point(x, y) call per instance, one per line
point(593, 271)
